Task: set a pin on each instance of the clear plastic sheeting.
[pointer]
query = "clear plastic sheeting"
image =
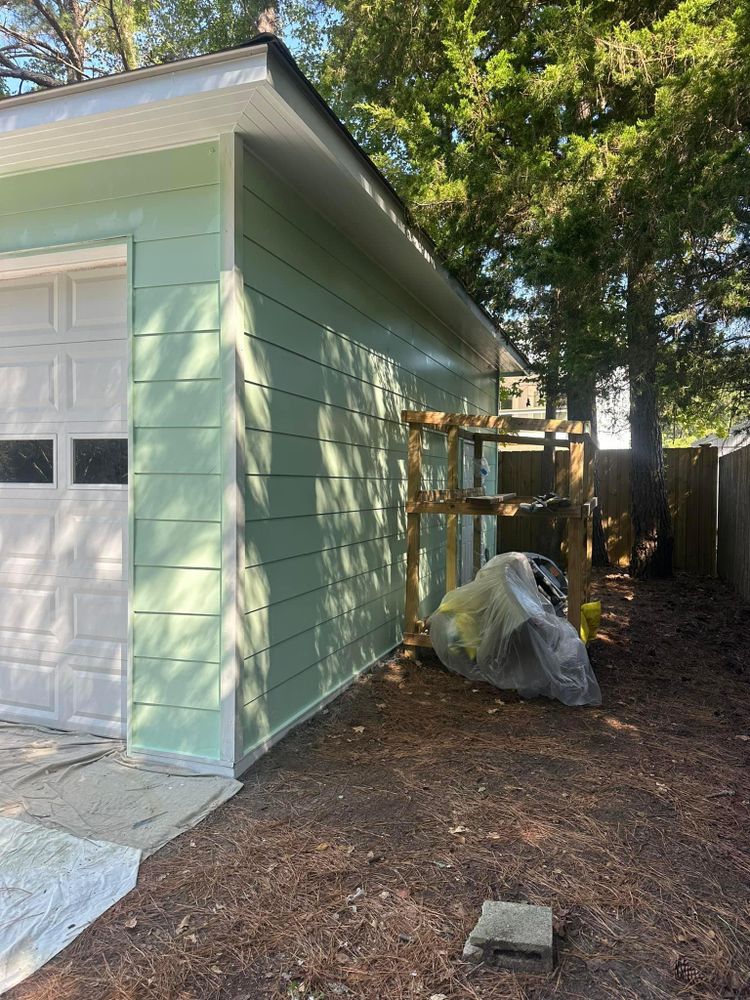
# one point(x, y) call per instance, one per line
point(76, 816)
point(52, 885)
point(500, 629)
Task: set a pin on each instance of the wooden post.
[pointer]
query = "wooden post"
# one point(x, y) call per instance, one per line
point(451, 554)
point(414, 484)
point(576, 537)
point(588, 524)
point(477, 539)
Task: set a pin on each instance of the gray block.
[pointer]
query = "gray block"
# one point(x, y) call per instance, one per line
point(512, 936)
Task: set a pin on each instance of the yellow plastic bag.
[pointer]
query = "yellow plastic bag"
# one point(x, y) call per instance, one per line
point(591, 617)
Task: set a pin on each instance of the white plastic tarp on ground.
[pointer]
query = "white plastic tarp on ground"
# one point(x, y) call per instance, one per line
point(75, 818)
point(52, 885)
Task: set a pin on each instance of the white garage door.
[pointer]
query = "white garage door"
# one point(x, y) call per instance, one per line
point(63, 492)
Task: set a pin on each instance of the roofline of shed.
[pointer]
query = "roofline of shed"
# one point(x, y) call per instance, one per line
point(273, 44)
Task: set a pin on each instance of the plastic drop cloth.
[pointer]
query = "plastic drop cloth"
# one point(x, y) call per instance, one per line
point(52, 885)
point(500, 629)
point(76, 816)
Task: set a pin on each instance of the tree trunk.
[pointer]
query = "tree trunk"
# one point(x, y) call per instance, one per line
point(582, 406)
point(653, 542)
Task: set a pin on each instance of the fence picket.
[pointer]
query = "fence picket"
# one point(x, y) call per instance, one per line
point(734, 520)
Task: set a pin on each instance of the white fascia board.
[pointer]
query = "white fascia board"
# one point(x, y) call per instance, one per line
point(151, 85)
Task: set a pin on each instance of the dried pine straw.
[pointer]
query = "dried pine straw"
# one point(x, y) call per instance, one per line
point(354, 863)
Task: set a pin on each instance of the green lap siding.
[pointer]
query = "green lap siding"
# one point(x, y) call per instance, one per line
point(167, 205)
point(335, 349)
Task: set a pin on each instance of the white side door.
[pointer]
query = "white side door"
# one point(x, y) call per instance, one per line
point(63, 492)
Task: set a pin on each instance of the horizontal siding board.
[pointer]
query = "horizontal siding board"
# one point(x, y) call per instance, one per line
point(271, 625)
point(288, 702)
point(86, 184)
point(361, 384)
point(283, 496)
point(291, 413)
point(193, 731)
point(195, 544)
point(176, 591)
point(262, 186)
point(269, 454)
point(268, 365)
point(145, 217)
point(176, 309)
point(278, 663)
point(176, 357)
point(177, 636)
point(177, 497)
point(193, 403)
point(275, 582)
point(284, 538)
point(181, 260)
point(184, 450)
point(177, 683)
point(271, 276)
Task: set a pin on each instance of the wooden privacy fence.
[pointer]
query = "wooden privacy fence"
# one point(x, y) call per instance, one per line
point(734, 520)
point(691, 483)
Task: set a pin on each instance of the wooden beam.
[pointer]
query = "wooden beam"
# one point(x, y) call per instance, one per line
point(537, 442)
point(578, 548)
point(436, 418)
point(577, 472)
point(414, 484)
point(417, 639)
point(494, 506)
point(477, 527)
point(451, 542)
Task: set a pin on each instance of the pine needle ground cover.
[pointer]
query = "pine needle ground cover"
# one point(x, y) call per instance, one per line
point(356, 859)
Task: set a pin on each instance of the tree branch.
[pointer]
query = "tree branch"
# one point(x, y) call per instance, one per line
point(14, 72)
point(118, 35)
point(57, 27)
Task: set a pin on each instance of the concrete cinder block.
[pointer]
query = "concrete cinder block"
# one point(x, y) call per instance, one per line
point(512, 936)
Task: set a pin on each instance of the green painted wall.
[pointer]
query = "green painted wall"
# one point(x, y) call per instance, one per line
point(335, 349)
point(168, 204)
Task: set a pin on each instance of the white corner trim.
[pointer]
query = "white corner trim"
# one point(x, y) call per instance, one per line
point(232, 335)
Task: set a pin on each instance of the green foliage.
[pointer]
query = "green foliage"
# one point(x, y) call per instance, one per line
point(551, 149)
point(45, 43)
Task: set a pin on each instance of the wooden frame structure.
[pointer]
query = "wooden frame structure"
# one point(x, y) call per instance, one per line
point(496, 431)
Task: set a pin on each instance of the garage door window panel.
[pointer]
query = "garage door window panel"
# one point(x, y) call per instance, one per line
point(99, 461)
point(27, 461)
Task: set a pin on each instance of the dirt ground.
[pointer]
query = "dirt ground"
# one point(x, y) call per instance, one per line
point(356, 858)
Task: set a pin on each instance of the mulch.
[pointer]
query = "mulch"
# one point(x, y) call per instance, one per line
point(355, 860)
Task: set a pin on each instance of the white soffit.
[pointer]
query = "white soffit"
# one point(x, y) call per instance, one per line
point(171, 105)
point(255, 91)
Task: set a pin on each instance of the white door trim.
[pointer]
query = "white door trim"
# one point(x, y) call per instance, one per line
point(21, 265)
